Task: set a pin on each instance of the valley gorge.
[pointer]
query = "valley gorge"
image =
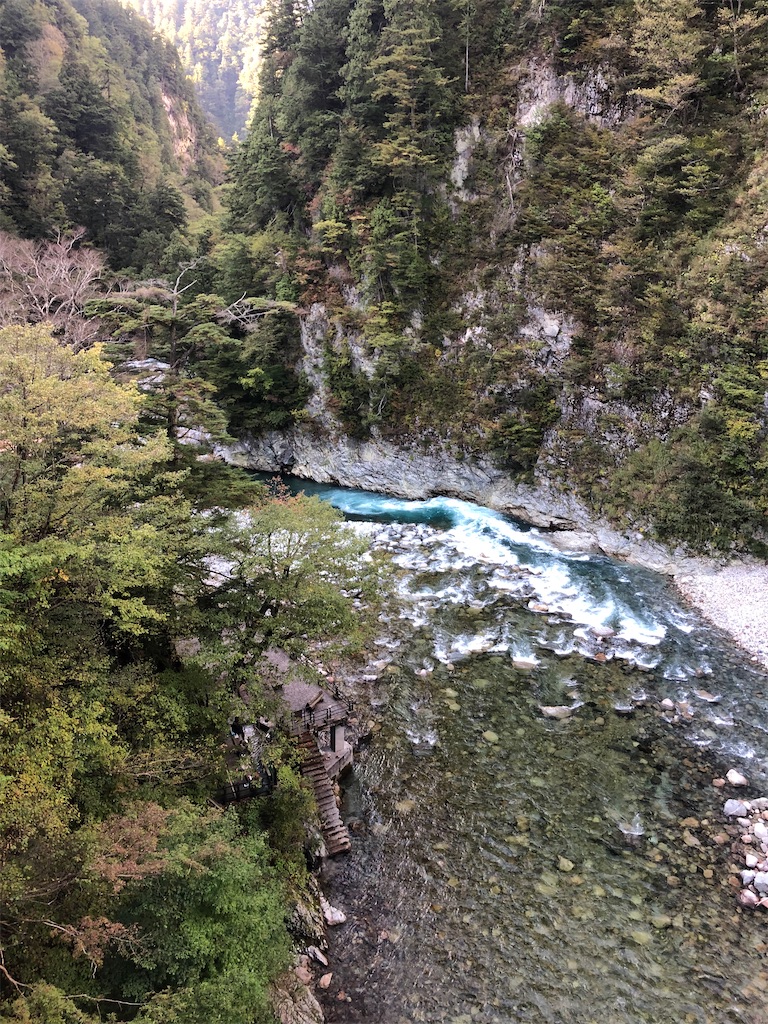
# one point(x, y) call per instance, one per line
point(442, 385)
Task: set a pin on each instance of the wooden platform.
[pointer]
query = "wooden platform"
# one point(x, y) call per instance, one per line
point(313, 769)
point(311, 707)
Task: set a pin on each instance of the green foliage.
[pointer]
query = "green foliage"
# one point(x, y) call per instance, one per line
point(295, 572)
point(349, 387)
point(516, 440)
point(45, 1004)
point(86, 136)
point(211, 926)
point(118, 881)
point(283, 817)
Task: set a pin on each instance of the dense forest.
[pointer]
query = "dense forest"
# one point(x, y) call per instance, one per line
point(219, 42)
point(100, 129)
point(133, 617)
point(136, 597)
point(452, 182)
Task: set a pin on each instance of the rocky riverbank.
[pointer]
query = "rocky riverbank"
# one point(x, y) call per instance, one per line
point(751, 848)
point(733, 597)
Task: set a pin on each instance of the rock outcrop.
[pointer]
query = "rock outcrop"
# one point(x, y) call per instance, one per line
point(417, 472)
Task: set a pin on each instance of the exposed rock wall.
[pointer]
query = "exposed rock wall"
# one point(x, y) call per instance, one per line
point(185, 142)
point(414, 472)
point(593, 95)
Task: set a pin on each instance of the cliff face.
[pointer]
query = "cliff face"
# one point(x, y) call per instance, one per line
point(541, 251)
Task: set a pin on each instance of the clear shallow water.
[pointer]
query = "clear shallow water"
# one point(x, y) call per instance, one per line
point(491, 879)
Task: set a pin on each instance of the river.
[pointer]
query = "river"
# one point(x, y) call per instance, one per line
point(534, 839)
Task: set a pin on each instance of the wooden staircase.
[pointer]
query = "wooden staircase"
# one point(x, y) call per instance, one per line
point(312, 768)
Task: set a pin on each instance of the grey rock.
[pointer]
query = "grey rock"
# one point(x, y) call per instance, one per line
point(735, 808)
point(294, 1003)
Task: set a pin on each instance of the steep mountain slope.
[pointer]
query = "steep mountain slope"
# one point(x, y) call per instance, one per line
point(537, 233)
point(99, 128)
point(219, 45)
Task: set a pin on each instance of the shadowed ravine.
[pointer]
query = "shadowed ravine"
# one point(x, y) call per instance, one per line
point(494, 875)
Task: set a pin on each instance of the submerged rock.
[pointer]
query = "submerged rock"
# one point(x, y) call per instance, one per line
point(705, 695)
point(736, 778)
point(557, 710)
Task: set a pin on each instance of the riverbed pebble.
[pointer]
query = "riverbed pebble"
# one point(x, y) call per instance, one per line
point(736, 809)
point(736, 778)
point(753, 850)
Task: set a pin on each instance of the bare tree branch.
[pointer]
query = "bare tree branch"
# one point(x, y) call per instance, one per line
point(50, 282)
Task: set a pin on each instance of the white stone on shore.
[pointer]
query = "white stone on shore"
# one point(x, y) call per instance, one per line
point(760, 882)
point(325, 981)
point(736, 778)
point(733, 597)
point(751, 860)
point(331, 915)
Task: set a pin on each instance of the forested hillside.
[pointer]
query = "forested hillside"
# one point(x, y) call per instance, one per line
point(135, 606)
point(99, 129)
point(133, 620)
point(537, 232)
point(219, 42)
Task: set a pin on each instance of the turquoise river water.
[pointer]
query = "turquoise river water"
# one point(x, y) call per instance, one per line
point(510, 865)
